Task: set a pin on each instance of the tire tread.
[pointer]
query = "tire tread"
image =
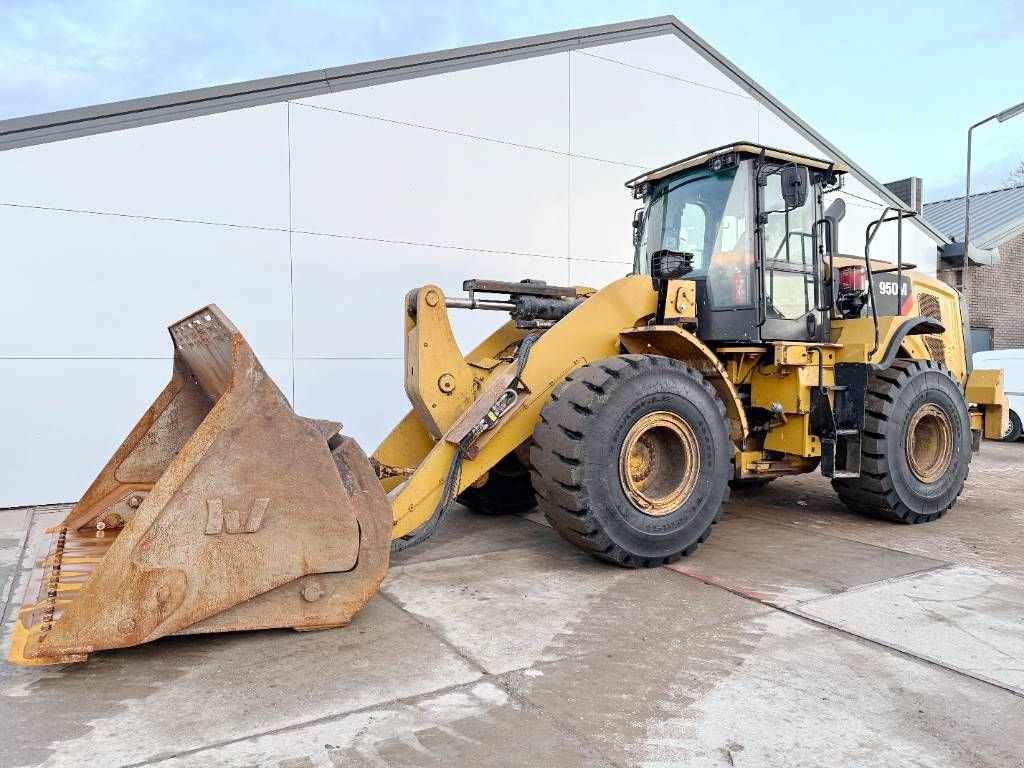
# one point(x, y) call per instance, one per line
point(874, 493)
point(556, 455)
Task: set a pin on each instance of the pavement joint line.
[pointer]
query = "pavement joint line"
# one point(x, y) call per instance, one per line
point(565, 727)
point(872, 584)
point(496, 679)
point(792, 527)
point(37, 508)
point(906, 652)
point(560, 725)
point(163, 757)
point(526, 516)
point(19, 571)
point(796, 613)
point(485, 676)
point(500, 679)
point(442, 558)
point(443, 640)
point(568, 554)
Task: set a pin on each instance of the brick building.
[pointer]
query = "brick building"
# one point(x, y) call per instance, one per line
point(996, 289)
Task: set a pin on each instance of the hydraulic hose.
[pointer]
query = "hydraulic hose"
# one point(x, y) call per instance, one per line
point(450, 490)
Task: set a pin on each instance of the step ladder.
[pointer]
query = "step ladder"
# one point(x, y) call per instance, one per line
point(839, 423)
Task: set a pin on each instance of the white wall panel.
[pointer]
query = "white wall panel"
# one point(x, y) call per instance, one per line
point(520, 101)
point(82, 285)
point(354, 176)
point(601, 211)
point(863, 204)
point(367, 396)
point(773, 131)
point(668, 55)
point(597, 274)
point(918, 248)
point(350, 294)
point(632, 116)
point(62, 419)
point(230, 168)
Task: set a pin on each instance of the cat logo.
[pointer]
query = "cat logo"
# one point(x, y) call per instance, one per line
point(218, 520)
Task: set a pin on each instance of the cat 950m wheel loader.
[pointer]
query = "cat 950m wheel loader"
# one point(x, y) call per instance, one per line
point(743, 348)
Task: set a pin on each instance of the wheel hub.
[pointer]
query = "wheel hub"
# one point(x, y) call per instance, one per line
point(658, 463)
point(929, 443)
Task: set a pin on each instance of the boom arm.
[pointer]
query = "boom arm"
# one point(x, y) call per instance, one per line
point(590, 332)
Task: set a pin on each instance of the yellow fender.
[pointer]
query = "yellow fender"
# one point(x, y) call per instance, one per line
point(679, 344)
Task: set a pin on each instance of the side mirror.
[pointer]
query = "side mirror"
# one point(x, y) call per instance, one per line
point(638, 226)
point(796, 183)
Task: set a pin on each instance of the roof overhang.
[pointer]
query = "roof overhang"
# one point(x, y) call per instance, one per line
point(952, 256)
point(748, 148)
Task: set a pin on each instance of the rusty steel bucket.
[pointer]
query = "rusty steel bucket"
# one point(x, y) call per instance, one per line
point(222, 510)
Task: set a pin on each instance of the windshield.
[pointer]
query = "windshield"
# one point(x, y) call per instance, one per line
point(706, 214)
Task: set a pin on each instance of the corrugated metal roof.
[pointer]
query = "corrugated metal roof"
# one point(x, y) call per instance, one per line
point(996, 217)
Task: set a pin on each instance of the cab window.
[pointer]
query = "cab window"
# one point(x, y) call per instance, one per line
point(788, 253)
point(708, 215)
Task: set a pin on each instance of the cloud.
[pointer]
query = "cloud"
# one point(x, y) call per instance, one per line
point(985, 176)
point(58, 55)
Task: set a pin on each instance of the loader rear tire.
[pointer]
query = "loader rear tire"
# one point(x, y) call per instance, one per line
point(506, 492)
point(631, 459)
point(916, 445)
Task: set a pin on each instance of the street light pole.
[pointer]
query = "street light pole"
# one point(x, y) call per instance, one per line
point(1002, 117)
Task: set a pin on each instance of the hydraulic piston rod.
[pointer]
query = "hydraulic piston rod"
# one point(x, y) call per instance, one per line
point(464, 302)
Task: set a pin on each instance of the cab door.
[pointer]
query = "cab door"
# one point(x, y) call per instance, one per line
point(789, 266)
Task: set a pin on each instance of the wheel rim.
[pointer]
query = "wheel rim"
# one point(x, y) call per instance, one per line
point(929, 443)
point(658, 463)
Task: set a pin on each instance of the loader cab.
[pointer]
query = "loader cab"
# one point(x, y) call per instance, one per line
point(752, 219)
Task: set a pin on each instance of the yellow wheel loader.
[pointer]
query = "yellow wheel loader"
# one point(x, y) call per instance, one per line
point(743, 347)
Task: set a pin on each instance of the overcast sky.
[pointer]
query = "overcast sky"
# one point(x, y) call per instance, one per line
point(893, 84)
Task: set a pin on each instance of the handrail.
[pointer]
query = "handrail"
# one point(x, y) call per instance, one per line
point(869, 235)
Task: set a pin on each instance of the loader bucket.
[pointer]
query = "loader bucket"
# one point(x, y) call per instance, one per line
point(222, 510)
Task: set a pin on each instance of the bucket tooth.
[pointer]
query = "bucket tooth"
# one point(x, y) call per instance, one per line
point(222, 510)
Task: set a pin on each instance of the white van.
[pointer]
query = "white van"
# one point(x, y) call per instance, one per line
point(1012, 363)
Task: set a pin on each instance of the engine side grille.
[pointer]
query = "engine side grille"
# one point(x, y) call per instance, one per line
point(928, 306)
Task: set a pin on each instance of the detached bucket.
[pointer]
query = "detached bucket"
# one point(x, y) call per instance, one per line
point(222, 510)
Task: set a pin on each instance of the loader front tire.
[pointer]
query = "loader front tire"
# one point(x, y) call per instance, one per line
point(916, 445)
point(506, 491)
point(631, 459)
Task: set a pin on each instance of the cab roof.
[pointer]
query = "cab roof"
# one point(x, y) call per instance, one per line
point(748, 148)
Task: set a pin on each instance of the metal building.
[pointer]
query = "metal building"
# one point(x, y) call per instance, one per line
point(307, 205)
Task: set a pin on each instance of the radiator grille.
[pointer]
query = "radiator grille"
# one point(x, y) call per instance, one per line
point(928, 306)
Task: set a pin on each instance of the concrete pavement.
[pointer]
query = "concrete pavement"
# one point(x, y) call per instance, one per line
point(798, 635)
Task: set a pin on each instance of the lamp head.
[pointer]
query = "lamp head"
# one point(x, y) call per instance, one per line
point(1006, 114)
